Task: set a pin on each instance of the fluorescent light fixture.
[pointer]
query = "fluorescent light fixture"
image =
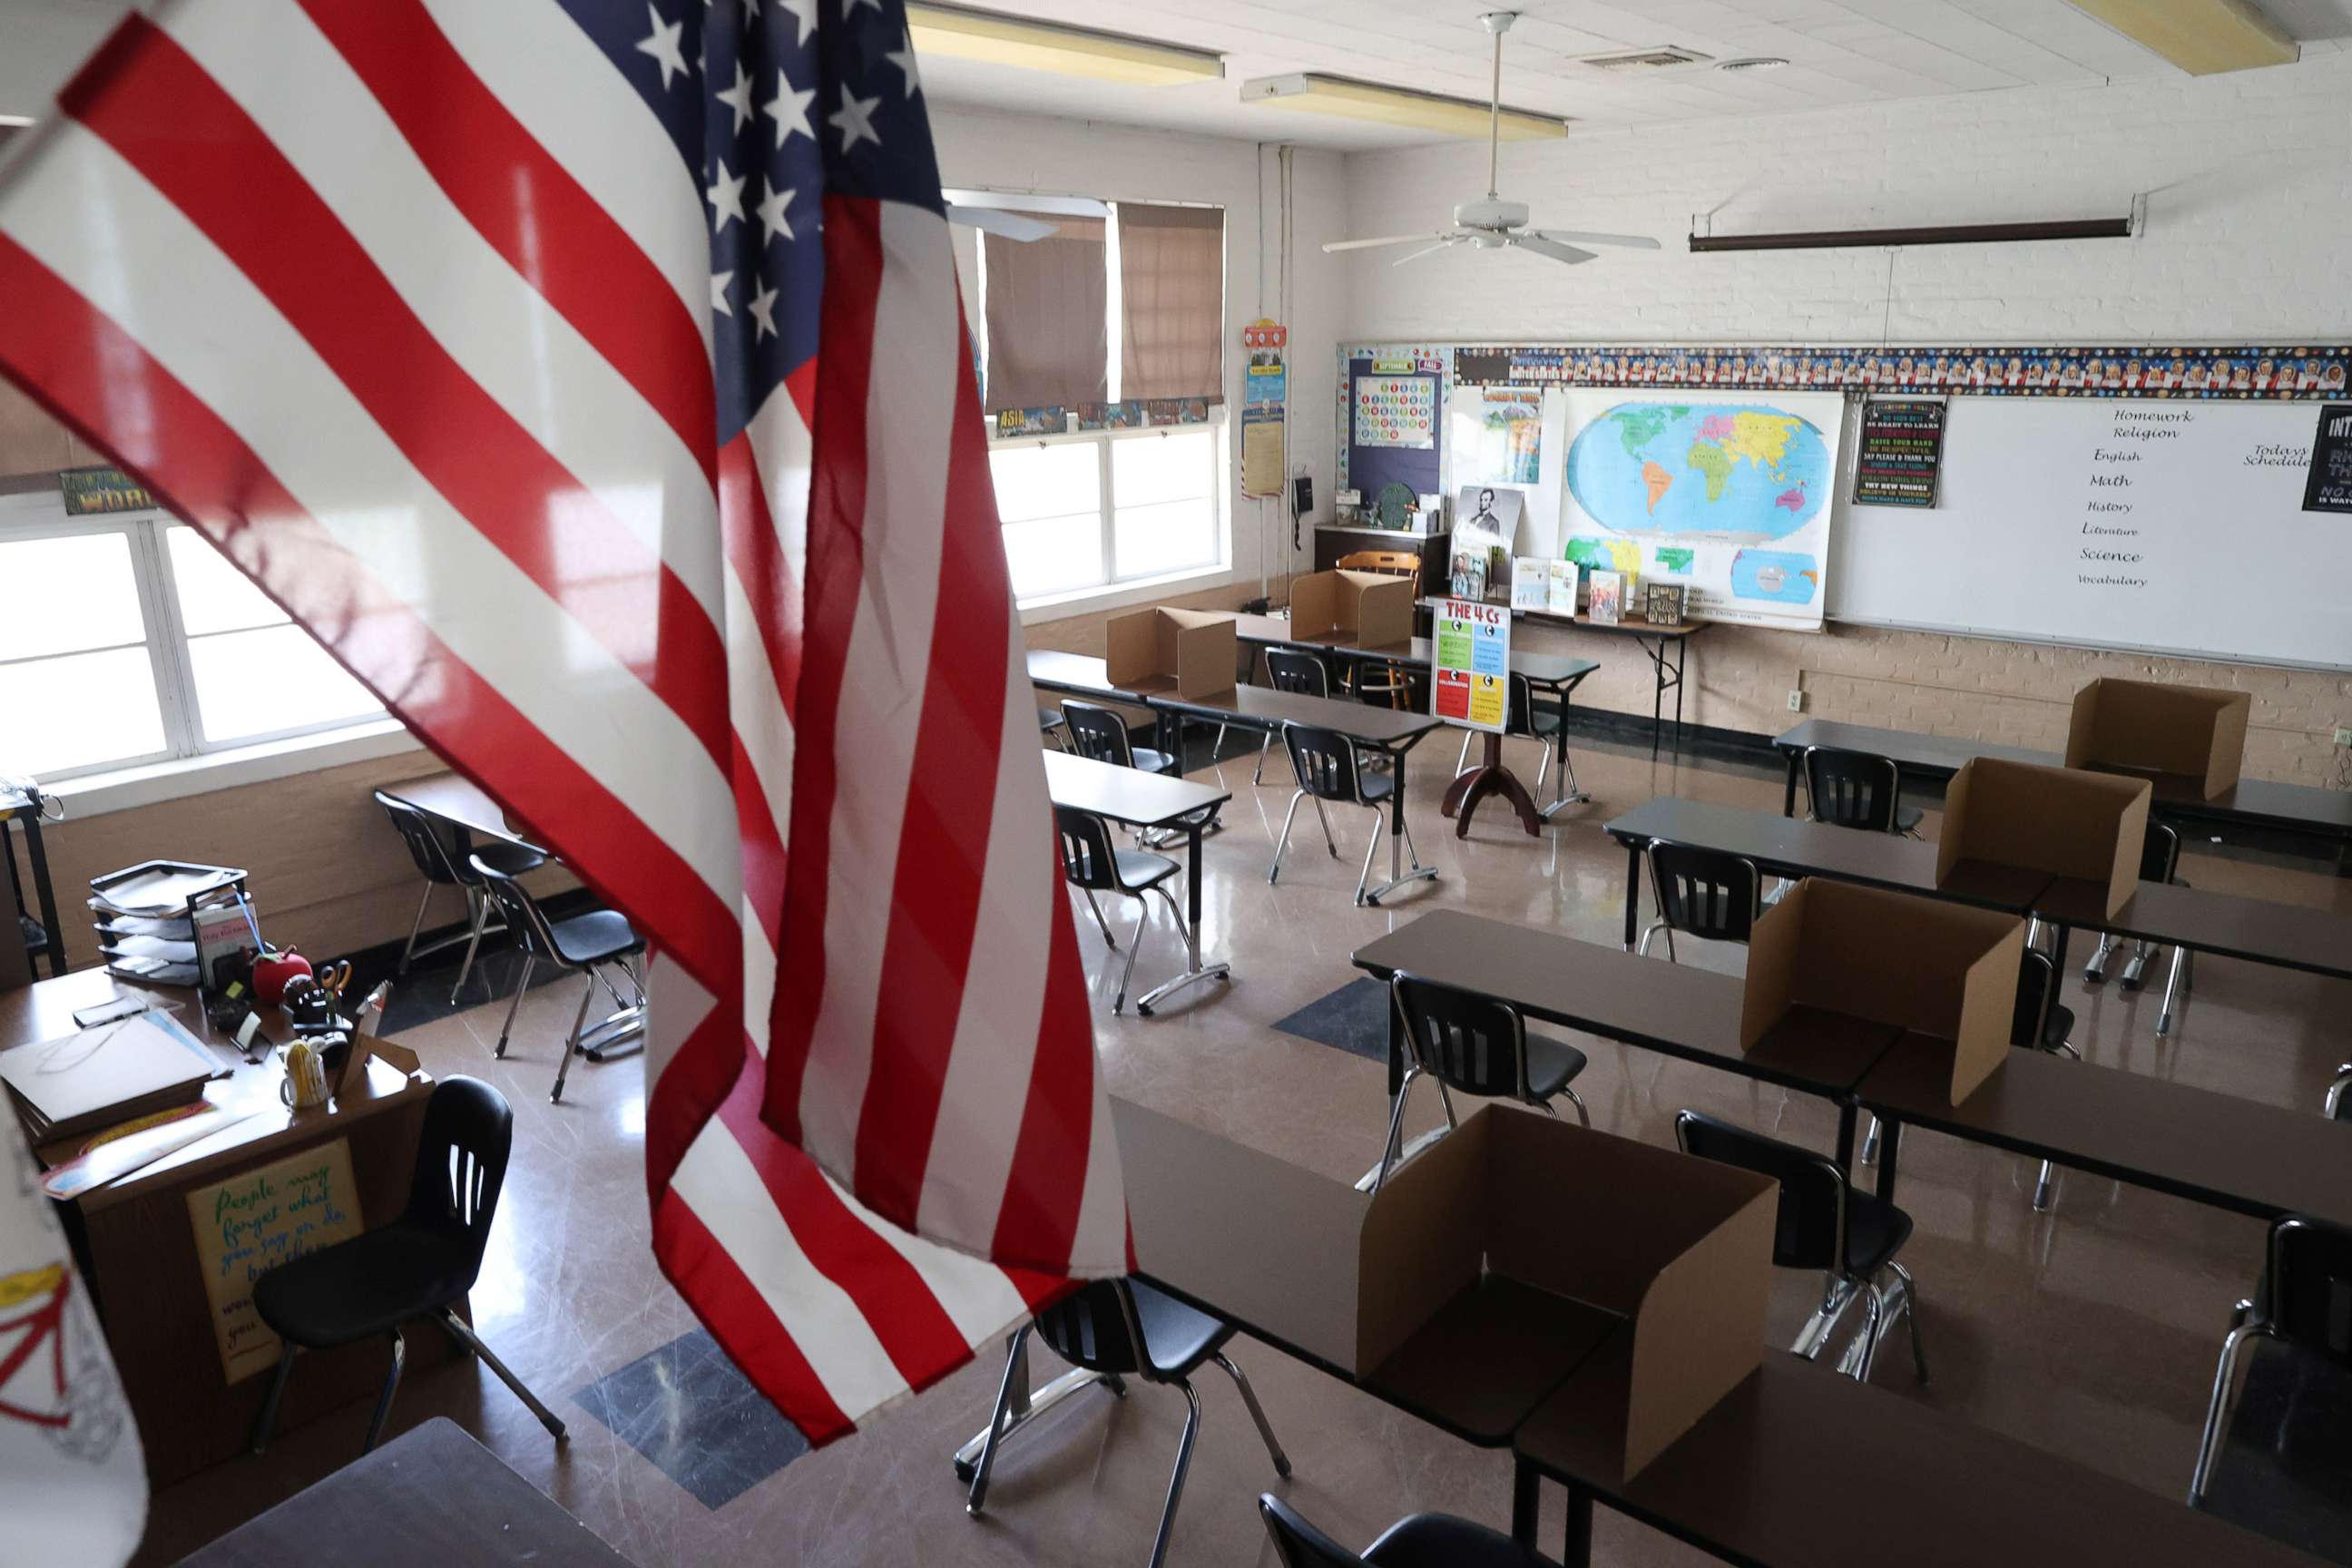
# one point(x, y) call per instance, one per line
point(986, 36)
point(14, 121)
point(2200, 36)
point(1396, 106)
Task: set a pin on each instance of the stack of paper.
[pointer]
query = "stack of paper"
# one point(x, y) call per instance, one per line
point(147, 916)
point(100, 1077)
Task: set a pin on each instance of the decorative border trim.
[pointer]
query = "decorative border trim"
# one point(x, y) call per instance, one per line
point(2273, 372)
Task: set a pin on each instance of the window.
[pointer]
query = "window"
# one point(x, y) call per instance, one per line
point(1095, 509)
point(129, 640)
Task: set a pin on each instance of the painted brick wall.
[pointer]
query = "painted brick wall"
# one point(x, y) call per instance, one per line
point(2249, 234)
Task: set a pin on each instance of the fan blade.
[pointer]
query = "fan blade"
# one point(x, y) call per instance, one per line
point(1339, 245)
point(1543, 245)
point(1578, 236)
point(1059, 206)
point(1003, 225)
point(1424, 250)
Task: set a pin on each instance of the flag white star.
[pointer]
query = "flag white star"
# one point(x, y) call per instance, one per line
point(771, 211)
point(666, 46)
point(854, 120)
point(789, 109)
point(903, 57)
point(805, 12)
point(763, 312)
point(726, 198)
point(739, 96)
point(720, 283)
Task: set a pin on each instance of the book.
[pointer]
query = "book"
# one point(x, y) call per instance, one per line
point(1605, 602)
point(1531, 582)
point(1663, 604)
point(1560, 596)
point(99, 1076)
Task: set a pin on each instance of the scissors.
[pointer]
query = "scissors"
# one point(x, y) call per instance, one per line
point(333, 978)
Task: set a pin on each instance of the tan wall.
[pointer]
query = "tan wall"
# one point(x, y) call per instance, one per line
point(328, 874)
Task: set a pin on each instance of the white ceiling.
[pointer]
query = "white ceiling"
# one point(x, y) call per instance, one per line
point(1840, 51)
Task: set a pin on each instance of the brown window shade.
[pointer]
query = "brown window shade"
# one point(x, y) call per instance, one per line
point(1171, 273)
point(1047, 298)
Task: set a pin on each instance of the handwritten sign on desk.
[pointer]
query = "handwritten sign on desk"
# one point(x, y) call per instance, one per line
point(258, 1219)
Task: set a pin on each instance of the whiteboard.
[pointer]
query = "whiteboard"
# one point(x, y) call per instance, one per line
point(2154, 526)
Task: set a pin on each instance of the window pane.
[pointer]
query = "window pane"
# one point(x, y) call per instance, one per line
point(1147, 469)
point(214, 596)
point(1052, 554)
point(1168, 537)
point(78, 711)
point(1046, 481)
point(64, 595)
point(276, 678)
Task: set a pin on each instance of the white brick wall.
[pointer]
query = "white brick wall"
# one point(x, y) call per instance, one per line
point(2249, 236)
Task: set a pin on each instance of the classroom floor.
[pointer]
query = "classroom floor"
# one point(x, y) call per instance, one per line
point(2090, 1333)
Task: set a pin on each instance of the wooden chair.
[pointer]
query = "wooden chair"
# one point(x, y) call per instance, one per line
point(1387, 683)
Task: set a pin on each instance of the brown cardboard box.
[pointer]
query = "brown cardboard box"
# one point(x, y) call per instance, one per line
point(1514, 1247)
point(1150, 648)
point(1362, 607)
point(1924, 964)
point(2064, 821)
point(2194, 734)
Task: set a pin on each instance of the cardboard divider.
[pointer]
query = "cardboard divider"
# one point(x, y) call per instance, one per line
point(2194, 734)
point(1363, 607)
point(1922, 964)
point(2067, 822)
point(1656, 1257)
point(1193, 650)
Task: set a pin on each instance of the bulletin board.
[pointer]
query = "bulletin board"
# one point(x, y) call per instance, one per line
point(1393, 419)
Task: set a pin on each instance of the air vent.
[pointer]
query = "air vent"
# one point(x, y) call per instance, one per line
point(1636, 60)
point(1754, 63)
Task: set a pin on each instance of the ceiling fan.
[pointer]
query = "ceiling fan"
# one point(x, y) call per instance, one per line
point(1005, 216)
point(1492, 223)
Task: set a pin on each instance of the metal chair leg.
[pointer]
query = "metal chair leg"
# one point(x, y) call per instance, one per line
point(1582, 1114)
point(1837, 1294)
point(2134, 967)
point(383, 1398)
point(1870, 1143)
point(1642, 948)
point(2209, 1444)
point(977, 1498)
point(1283, 842)
point(2095, 973)
point(2045, 1188)
point(1266, 745)
point(1101, 924)
point(1257, 1413)
point(1858, 1361)
point(1462, 763)
point(1176, 1481)
point(1911, 1312)
point(572, 1041)
point(1543, 767)
point(1391, 1149)
point(1134, 945)
point(414, 926)
point(1323, 817)
point(2171, 991)
point(1364, 877)
point(463, 1331)
point(522, 983)
point(267, 1422)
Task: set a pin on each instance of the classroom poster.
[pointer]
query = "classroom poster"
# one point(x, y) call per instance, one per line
point(1265, 390)
point(1396, 411)
point(2329, 489)
point(257, 1219)
point(1901, 451)
point(1471, 684)
point(1509, 447)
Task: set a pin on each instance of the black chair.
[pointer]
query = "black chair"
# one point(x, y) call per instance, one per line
point(2334, 1105)
point(1051, 726)
point(2037, 978)
point(1098, 733)
point(1703, 893)
point(443, 853)
point(1539, 722)
point(1294, 670)
point(419, 1266)
point(1114, 1330)
point(1423, 1541)
point(592, 944)
point(1092, 864)
point(2160, 862)
point(1327, 768)
point(1824, 1223)
point(1478, 1044)
point(2286, 1432)
point(1856, 789)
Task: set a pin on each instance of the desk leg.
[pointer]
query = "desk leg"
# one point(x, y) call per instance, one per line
point(1633, 892)
point(1890, 1145)
point(1681, 659)
point(1844, 1154)
point(1526, 1500)
point(1788, 794)
point(42, 892)
point(2058, 933)
point(1576, 1541)
point(1399, 839)
point(1565, 791)
point(1658, 692)
point(1197, 971)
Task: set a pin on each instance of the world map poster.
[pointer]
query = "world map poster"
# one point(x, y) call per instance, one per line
point(1729, 495)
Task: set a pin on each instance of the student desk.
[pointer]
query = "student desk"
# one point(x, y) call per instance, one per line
point(2260, 930)
point(2298, 809)
point(1146, 800)
point(1798, 1468)
point(2216, 1149)
point(457, 799)
point(137, 1247)
point(432, 1495)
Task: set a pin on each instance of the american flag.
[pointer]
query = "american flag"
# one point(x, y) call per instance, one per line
point(590, 378)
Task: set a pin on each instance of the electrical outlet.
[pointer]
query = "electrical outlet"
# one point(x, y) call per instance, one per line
point(2343, 736)
point(1797, 699)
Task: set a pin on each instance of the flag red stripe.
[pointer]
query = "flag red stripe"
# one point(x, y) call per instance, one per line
point(531, 209)
point(943, 846)
point(86, 370)
point(914, 1330)
point(836, 518)
point(188, 137)
point(749, 532)
point(737, 1317)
